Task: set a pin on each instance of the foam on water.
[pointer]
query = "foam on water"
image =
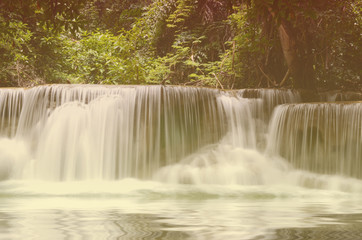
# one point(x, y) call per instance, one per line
point(324, 138)
point(176, 135)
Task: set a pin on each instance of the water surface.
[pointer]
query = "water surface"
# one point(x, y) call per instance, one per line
point(133, 209)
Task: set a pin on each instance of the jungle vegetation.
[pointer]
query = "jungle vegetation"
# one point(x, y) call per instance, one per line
point(307, 44)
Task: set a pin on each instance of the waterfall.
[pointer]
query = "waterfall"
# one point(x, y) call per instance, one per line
point(103, 132)
point(174, 134)
point(321, 137)
point(10, 107)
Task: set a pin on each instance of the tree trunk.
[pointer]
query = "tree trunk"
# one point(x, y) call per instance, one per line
point(298, 58)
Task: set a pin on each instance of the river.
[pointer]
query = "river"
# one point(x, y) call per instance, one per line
point(154, 162)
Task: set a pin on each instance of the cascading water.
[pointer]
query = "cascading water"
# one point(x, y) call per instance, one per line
point(88, 132)
point(10, 108)
point(324, 138)
point(207, 163)
point(102, 132)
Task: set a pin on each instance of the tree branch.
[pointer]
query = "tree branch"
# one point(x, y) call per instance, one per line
point(267, 77)
point(286, 76)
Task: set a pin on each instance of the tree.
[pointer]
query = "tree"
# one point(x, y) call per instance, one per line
point(221, 43)
point(33, 30)
point(299, 25)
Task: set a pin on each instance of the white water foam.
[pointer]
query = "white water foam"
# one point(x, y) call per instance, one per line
point(169, 134)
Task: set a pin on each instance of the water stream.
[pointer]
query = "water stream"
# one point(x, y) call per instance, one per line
point(155, 162)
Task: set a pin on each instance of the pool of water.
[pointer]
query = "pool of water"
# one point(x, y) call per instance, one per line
point(220, 165)
point(134, 209)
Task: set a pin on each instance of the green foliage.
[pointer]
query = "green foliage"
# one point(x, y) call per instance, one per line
point(110, 15)
point(58, 15)
point(14, 49)
point(184, 8)
point(193, 48)
point(337, 49)
point(104, 58)
point(186, 64)
point(218, 43)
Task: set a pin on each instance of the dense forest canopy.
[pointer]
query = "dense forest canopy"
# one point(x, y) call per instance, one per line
point(308, 44)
